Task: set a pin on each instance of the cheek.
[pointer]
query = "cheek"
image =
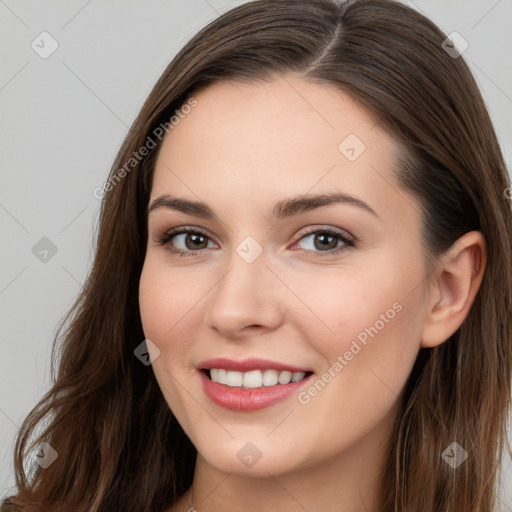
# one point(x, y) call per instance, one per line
point(164, 301)
point(356, 395)
point(377, 302)
point(368, 337)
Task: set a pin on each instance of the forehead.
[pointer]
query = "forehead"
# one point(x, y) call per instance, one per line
point(266, 140)
point(300, 113)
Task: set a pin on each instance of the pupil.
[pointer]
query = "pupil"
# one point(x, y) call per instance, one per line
point(324, 238)
point(195, 238)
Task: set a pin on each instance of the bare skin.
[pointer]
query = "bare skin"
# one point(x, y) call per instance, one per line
point(242, 149)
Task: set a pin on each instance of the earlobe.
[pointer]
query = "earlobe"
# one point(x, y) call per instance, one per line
point(453, 288)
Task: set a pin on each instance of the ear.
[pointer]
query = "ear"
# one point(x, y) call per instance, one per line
point(452, 288)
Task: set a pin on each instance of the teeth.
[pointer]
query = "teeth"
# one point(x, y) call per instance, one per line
point(298, 376)
point(252, 379)
point(255, 378)
point(234, 379)
point(221, 376)
point(270, 377)
point(285, 377)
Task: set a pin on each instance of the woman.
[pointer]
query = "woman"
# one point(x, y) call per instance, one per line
point(301, 294)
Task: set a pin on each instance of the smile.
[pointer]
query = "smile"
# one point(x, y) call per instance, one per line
point(253, 379)
point(251, 384)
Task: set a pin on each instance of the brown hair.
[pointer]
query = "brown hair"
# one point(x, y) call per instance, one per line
point(119, 446)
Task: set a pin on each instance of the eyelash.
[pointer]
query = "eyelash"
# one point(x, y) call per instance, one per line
point(169, 235)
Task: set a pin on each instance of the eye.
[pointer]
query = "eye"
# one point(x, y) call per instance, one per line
point(323, 242)
point(326, 241)
point(189, 241)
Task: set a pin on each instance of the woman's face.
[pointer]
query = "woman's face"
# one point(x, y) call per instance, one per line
point(305, 262)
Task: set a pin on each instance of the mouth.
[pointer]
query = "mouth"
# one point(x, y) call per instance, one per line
point(254, 379)
point(251, 384)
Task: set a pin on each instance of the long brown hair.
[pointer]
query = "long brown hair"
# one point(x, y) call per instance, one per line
point(119, 446)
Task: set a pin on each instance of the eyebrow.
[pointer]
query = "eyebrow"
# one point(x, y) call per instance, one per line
point(282, 209)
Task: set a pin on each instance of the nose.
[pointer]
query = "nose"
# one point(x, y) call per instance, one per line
point(246, 298)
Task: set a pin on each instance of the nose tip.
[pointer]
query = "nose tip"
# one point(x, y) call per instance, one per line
point(241, 300)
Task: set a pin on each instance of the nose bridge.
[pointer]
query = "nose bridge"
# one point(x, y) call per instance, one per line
point(243, 295)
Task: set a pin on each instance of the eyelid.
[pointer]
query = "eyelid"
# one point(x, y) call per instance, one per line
point(163, 238)
point(347, 239)
point(344, 236)
point(328, 229)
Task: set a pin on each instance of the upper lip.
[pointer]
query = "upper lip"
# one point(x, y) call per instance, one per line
point(247, 365)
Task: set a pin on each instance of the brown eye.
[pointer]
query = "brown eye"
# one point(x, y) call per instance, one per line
point(327, 241)
point(184, 241)
point(196, 241)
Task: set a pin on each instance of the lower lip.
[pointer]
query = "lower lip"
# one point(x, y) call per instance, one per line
point(248, 399)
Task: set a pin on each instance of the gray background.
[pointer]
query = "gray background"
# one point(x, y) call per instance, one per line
point(63, 119)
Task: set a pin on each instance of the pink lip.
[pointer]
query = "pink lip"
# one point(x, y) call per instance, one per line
point(248, 399)
point(248, 365)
